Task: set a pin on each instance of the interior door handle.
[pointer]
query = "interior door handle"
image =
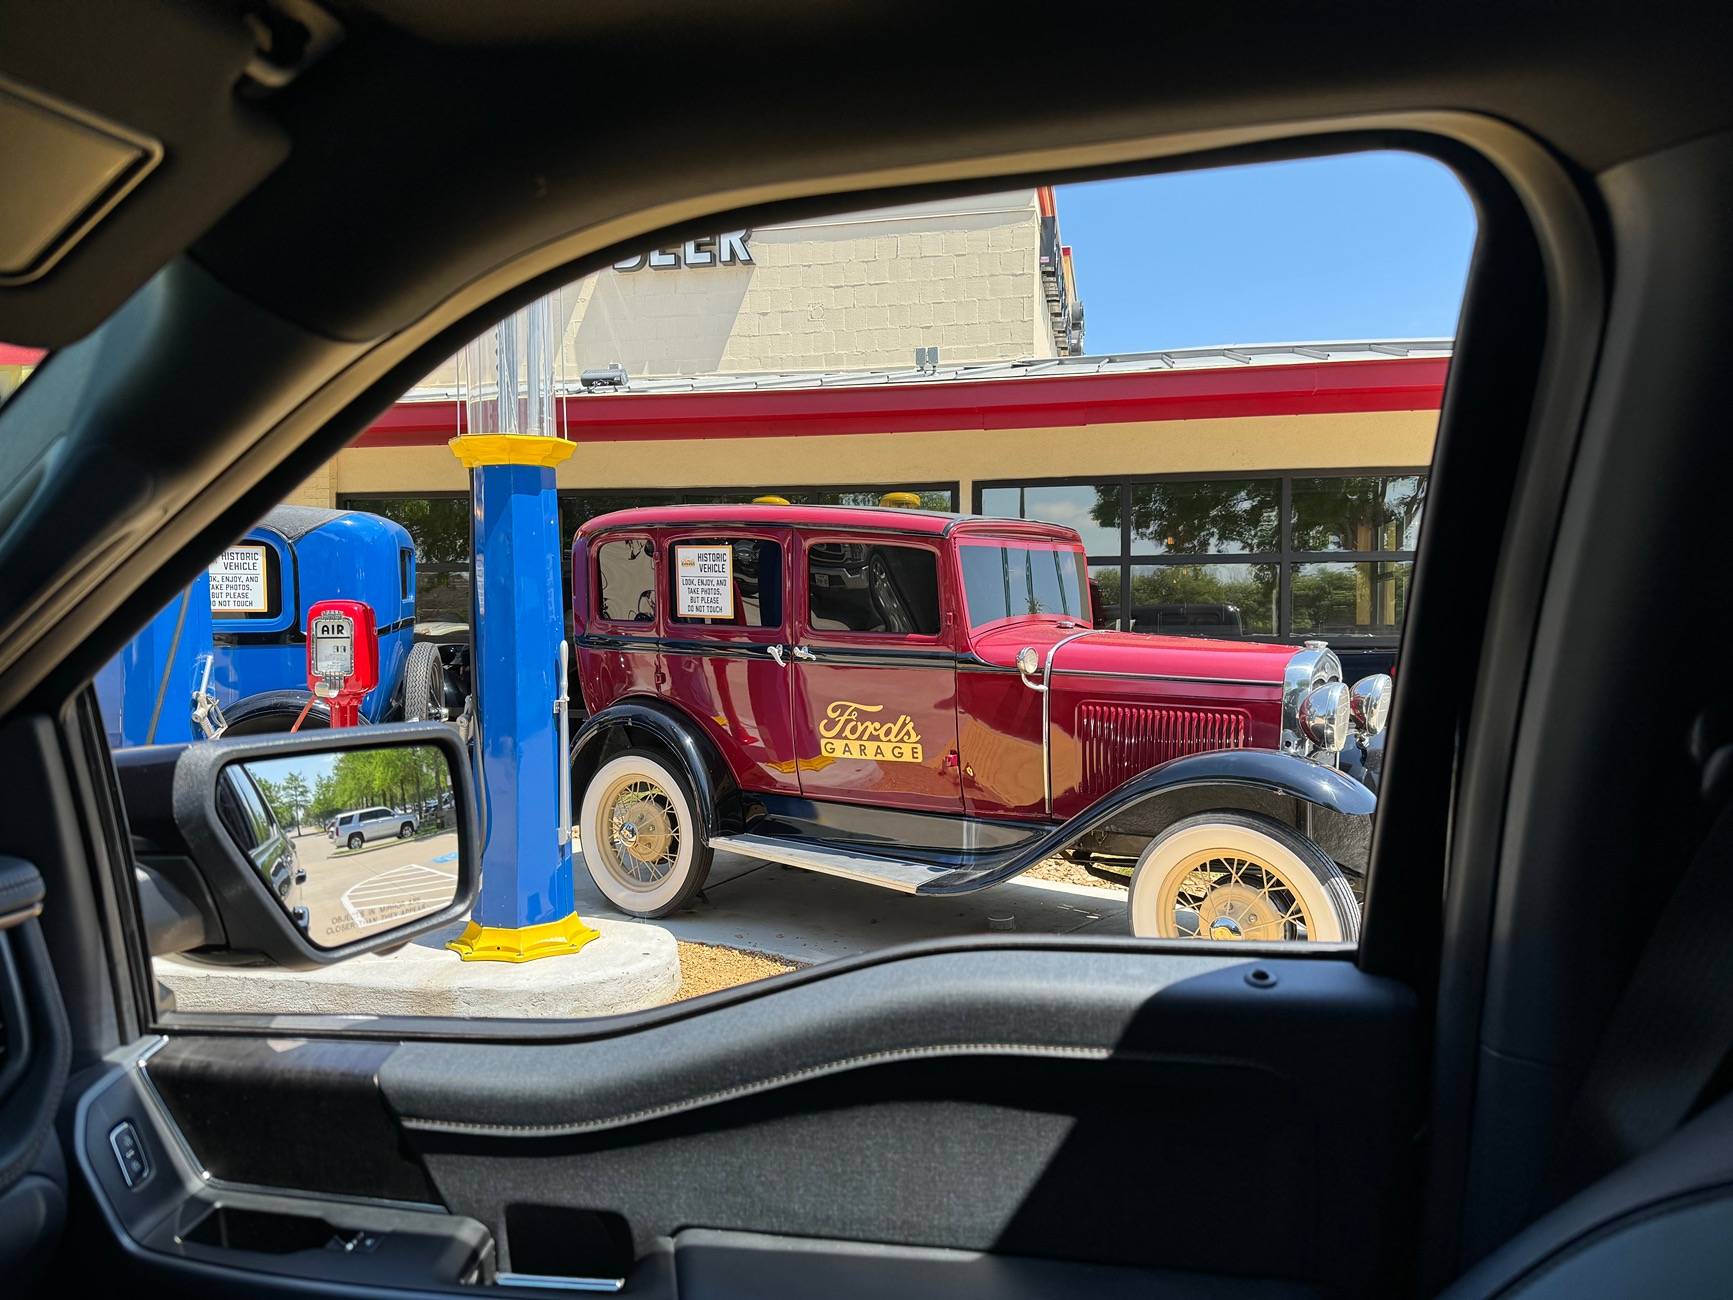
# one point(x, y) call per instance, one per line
point(803, 652)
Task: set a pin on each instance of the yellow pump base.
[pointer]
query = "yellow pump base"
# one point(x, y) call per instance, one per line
point(524, 943)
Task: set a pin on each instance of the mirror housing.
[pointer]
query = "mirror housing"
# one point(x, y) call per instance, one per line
point(204, 896)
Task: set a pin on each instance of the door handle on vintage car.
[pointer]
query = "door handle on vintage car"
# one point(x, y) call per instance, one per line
point(804, 652)
point(776, 653)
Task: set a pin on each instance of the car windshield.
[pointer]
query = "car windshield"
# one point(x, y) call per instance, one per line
point(1001, 580)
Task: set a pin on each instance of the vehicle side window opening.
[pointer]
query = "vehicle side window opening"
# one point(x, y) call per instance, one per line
point(755, 583)
point(866, 587)
point(406, 573)
point(254, 810)
point(1009, 580)
point(626, 580)
point(234, 819)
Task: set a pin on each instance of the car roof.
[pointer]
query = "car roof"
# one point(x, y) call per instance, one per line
point(877, 519)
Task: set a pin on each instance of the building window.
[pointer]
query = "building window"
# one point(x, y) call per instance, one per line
point(1272, 557)
point(439, 524)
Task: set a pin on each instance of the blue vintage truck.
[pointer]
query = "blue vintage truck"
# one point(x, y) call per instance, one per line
point(229, 653)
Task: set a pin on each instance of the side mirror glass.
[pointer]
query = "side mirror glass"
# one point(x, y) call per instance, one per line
point(348, 843)
point(301, 850)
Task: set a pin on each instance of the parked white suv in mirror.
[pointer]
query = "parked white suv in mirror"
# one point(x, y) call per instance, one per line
point(353, 829)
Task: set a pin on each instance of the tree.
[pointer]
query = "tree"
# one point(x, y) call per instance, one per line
point(295, 796)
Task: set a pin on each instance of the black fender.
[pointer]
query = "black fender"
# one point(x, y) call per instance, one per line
point(269, 711)
point(1332, 809)
point(647, 722)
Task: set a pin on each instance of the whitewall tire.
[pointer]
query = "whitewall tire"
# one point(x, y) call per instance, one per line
point(640, 835)
point(1233, 875)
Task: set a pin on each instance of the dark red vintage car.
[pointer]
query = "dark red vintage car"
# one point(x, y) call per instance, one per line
point(920, 701)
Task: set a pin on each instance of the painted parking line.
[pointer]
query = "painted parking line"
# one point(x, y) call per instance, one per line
point(397, 894)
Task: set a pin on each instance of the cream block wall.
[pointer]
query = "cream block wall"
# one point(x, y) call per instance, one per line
point(849, 293)
point(320, 489)
point(1228, 447)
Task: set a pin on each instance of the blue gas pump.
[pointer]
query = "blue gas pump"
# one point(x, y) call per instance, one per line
point(527, 908)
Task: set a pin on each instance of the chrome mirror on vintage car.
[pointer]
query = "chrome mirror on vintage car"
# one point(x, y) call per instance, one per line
point(1029, 664)
point(301, 850)
point(1326, 717)
point(1369, 704)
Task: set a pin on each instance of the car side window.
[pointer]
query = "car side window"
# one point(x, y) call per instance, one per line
point(868, 587)
point(626, 581)
point(252, 804)
point(719, 582)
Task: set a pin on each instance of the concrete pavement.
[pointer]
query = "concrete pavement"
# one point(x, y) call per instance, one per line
point(348, 895)
point(809, 917)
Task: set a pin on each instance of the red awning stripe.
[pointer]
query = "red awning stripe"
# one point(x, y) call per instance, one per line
point(1396, 384)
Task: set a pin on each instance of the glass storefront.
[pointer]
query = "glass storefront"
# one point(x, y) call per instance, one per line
point(1274, 557)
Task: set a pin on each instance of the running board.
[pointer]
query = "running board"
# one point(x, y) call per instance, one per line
point(887, 873)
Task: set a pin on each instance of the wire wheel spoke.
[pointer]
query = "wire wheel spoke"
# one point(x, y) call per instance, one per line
point(643, 833)
point(1235, 896)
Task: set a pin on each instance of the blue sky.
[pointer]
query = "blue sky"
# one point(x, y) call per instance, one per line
point(1369, 245)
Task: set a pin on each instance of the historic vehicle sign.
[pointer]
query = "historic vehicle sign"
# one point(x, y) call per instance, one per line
point(922, 701)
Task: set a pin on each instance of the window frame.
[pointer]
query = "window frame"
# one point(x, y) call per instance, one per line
point(593, 559)
point(850, 636)
point(1284, 557)
point(683, 629)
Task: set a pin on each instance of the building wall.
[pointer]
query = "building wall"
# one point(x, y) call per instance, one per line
point(856, 292)
point(1349, 440)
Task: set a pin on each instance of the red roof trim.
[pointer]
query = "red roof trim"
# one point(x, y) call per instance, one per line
point(1323, 388)
point(13, 355)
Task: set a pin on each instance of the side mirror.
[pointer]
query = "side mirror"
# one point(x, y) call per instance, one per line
point(302, 850)
point(1028, 664)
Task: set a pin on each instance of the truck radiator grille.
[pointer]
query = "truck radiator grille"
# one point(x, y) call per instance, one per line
point(1120, 740)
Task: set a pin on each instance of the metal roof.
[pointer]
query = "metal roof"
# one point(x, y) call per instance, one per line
point(1211, 358)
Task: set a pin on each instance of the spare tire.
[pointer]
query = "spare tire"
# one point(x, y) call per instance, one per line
point(273, 711)
point(423, 683)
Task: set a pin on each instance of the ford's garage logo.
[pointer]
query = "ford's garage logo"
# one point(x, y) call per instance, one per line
point(844, 733)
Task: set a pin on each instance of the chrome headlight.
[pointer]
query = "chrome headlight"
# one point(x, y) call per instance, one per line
point(1308, 668)
point(1326, 719)
point(1028, 661)
point(1369, 703)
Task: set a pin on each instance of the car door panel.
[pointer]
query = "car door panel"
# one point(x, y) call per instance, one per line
point(1097, 1104)
point(726, 675)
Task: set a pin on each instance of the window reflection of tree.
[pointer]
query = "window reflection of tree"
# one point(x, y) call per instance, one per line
point(1198, 517)
point(1362, 512)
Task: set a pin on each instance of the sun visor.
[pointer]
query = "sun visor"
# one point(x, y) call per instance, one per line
point(79, 167)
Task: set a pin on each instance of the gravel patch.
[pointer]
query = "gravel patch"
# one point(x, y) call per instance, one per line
point(707, 967)
point(1071, 874)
